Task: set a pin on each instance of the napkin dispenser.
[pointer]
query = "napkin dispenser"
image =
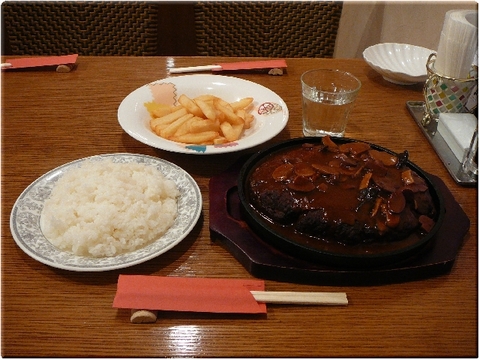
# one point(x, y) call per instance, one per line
point(457, 131)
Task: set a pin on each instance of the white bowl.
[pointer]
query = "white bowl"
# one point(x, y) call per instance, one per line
point(401, 64)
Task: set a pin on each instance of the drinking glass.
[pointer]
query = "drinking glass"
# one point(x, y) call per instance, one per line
point(328, 98)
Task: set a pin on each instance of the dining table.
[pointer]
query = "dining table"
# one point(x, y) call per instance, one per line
point(52, 118)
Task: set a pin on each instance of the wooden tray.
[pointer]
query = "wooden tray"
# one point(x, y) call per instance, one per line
point(228, 227)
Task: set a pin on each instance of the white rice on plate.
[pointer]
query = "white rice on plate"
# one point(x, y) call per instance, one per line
point(104, 209)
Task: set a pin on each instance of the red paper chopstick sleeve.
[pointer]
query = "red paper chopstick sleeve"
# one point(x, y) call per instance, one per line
point(245, 65)
point(188, 294)
point(41, 61)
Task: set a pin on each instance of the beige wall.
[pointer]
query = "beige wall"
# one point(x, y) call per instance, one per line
point(368, 23)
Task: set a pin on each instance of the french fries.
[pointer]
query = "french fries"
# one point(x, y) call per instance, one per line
point(204, 120)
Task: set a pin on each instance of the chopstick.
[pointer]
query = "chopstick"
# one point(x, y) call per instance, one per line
point(62, 68)
point(301, 298)
point(273, 67)
point(141, 316)
point(194, 69)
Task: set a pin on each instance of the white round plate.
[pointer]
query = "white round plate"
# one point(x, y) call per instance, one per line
point(401, 64)
point(271, 112)
point(26, 213)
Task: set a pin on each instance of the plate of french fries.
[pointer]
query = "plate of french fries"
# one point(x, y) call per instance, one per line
point(203, 114)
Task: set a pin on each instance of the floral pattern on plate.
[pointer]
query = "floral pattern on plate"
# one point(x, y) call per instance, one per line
point(26, 214)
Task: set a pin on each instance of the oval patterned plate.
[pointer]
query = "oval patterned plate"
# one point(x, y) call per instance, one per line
point(26, 213)
point(271, 112)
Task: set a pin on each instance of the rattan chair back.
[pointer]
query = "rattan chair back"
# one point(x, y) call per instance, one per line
point(85, 28)
point(267, 29)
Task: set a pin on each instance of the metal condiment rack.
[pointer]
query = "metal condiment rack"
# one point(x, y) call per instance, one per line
point(454, 167)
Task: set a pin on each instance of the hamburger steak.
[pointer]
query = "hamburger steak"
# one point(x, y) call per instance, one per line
point(349, 193)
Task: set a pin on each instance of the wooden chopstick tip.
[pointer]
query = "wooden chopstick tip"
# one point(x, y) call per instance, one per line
point(301, 298)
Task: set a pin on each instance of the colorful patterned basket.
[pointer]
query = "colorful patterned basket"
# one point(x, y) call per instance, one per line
point(445, 94)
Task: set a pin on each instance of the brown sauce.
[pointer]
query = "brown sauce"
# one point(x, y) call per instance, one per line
point(349, 193)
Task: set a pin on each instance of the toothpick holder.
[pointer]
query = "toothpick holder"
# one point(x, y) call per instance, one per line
point(444, 94)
